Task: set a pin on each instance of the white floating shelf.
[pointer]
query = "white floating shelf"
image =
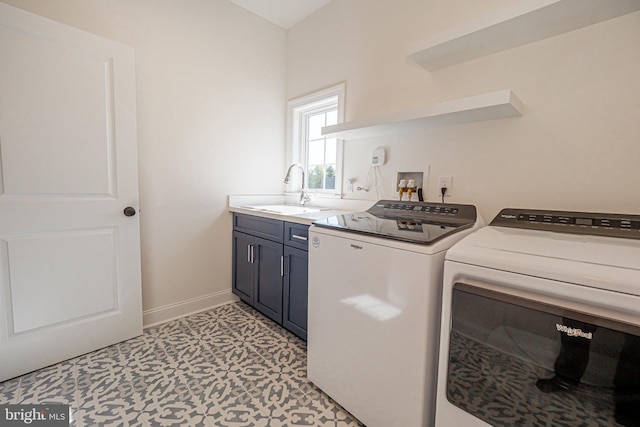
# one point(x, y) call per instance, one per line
point(524, 22)
point(488, 106)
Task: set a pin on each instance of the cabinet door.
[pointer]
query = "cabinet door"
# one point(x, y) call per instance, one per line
point(295, 291)
point(243, 268)
point(268, 289)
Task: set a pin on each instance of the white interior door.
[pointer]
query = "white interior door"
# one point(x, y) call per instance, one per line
point(69, 257)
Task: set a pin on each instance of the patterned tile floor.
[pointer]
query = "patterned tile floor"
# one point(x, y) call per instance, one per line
point(229, 366)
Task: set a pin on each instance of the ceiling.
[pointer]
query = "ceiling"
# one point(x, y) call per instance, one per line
point(285, 13)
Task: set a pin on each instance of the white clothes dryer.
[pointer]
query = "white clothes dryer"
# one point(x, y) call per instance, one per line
point(541, 322)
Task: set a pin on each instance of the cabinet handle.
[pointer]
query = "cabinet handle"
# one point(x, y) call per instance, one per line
point(281, 266)
point(253, 257)
point(249, 254)
point(295, 236)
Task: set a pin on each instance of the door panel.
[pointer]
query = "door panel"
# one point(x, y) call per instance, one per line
point(36, 262)
point(69, 258)
point(73, 112)
point(296, 291)
point(268, 293)
point(243, 269)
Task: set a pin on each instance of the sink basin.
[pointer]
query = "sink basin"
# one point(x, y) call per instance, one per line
point(283, 209)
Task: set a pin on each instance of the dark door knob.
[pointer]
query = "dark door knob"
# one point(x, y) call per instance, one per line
point(129, 211)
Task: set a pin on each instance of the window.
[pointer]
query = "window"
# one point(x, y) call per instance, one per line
point(320, 156)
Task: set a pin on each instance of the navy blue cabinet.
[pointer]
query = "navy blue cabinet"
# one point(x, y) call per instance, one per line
point(294, 316)
point(243, 268)
point(267, 298)
point(296, 271)
point(270, 268)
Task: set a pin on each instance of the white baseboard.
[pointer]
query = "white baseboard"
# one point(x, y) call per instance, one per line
point(169, 312)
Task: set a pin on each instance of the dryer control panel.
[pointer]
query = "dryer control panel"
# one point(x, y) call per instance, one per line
point(596, 224)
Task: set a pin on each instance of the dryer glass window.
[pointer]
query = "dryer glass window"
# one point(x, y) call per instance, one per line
point(514, 361)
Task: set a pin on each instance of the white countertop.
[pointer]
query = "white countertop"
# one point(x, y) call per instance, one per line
point(328, 207)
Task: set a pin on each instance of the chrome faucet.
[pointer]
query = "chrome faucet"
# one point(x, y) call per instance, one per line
point(304, 197)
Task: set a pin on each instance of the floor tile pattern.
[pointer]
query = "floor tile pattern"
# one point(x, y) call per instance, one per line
point(229, 366)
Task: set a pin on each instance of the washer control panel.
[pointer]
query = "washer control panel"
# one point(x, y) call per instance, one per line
point(423, 210)
point(409, 206)
point(597, 224)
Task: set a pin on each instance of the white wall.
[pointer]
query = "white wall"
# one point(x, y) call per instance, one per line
point(211, 109)
point(576, 147)
point(205, 67)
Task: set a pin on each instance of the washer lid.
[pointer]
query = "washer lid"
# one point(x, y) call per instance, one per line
point(413, 222)
point(602, 262)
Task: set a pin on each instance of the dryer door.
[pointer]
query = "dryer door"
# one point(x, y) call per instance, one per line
point(519, 361)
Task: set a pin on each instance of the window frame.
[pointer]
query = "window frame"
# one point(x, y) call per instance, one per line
point(297, 111)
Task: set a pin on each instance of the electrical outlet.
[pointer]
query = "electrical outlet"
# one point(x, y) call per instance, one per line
point(445, 182)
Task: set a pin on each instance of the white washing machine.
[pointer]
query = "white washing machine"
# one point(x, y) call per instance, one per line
point(541, 322)
point(375, 284)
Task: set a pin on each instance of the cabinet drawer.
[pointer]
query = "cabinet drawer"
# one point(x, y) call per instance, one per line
point(296, 235)
point(267, 228)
